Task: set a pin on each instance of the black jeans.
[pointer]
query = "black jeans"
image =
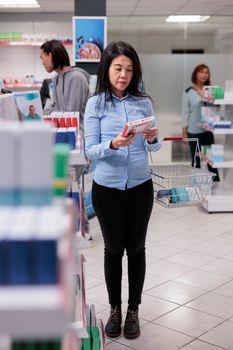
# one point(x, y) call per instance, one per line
point(205, 139)
point(123, 216)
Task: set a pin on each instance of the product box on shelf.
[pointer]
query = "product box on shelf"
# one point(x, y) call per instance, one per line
point(36, 163)
point(217, 153)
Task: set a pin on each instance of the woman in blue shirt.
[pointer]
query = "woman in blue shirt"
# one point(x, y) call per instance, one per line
point(122, 191)
point(191, 114)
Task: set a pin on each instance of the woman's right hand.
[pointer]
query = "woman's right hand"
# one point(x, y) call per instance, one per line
point(184, 133)
point(122, 141)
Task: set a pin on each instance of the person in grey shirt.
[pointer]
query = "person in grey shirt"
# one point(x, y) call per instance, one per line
point(192, 102)
point(70, 85)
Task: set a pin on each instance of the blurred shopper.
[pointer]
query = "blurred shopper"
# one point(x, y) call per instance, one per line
point(70, 84)
point(191, 114)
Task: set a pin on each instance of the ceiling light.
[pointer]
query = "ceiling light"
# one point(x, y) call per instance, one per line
point(19, 3)
point(188, 18)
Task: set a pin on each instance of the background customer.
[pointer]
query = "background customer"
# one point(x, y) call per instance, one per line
point(191, 114)
point(70, 85)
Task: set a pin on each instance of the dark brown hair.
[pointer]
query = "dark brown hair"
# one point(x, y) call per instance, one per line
point(196, 70)
point(60, 56)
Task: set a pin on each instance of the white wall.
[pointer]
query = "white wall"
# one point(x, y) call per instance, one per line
point(162, 42)
point(167, 76)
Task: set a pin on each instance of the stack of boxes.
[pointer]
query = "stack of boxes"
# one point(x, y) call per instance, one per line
point(67, 127)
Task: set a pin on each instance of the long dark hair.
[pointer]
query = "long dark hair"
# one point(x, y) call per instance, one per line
point(113, 50)
point(196, 70)
point(60, 56)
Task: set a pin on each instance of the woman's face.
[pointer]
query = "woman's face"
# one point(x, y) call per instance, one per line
point(46, 60)
point(203, 75)
point(120, 74)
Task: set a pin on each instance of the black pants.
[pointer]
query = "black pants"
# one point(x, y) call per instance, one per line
point(123, 218)
point(205, 139)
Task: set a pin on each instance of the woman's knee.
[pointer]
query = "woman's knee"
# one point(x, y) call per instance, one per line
point(114, 252)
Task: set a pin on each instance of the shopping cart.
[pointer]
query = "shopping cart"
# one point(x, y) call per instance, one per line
point(180, 185)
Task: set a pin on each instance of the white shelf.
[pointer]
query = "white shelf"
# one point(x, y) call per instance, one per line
point(27, 43)
point(218, 203)
point(223, 131)
point(223, 102)
point(77, 157)
point(226, 164)
point(29, 312)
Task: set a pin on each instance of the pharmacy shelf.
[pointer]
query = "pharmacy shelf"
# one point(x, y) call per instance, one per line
point(221, 198)
point(77, 157)
point(29, 312)
point(22, 85)
point(223, 131)
point(218, 203)
point(28, 43)
point(79, 324)
point(223, 102)
point(225, 164)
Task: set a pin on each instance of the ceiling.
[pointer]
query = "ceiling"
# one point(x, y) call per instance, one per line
point(149, 15)
point(142, 7)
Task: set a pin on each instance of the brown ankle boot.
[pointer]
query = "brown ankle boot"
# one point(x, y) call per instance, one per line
point(113, 326)
point(132, 328)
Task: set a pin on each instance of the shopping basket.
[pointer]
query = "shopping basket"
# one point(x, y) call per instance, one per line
point(180, 185)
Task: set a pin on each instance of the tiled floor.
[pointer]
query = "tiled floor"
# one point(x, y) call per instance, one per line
point(188, 293)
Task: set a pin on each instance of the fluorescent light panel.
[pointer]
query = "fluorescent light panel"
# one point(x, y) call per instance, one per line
point(19, 3)
point(188, 18)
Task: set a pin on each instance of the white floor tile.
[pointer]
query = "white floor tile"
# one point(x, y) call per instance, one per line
point(221, 336)
point(226, 289)
point(191, 322)
point(213, 304)
point(152, 308)
point(167, 270)
point(161, 250)
point(203, 279)
point(117, 346)
point(220, 266)
point(175, 292)
point(190, 258)
point(154, 337)
point(200, 345)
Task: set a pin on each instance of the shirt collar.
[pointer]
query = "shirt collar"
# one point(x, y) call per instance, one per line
point(117, 98)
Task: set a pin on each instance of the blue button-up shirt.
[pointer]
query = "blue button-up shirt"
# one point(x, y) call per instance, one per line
point(127, 166)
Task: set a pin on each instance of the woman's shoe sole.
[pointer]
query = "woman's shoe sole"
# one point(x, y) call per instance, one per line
point(115, 335)
point(132, 336)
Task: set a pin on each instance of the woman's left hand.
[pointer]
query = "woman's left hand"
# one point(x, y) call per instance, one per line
point(151, 134)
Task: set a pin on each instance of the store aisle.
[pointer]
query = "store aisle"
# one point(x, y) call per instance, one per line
point(188, 293)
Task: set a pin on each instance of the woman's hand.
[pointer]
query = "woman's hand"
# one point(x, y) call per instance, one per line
point(184, 134)
point(151, 134)
point(122, 141)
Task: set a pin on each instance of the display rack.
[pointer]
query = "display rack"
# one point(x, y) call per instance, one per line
point(22, 86)
point(221, 197)
point(42, 310)
point(27, 43)
point(77, 157)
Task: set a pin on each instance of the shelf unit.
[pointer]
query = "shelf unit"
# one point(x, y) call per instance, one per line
point(77, 157)
point(221, 197)
point(32, 312)
point(27, 43)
